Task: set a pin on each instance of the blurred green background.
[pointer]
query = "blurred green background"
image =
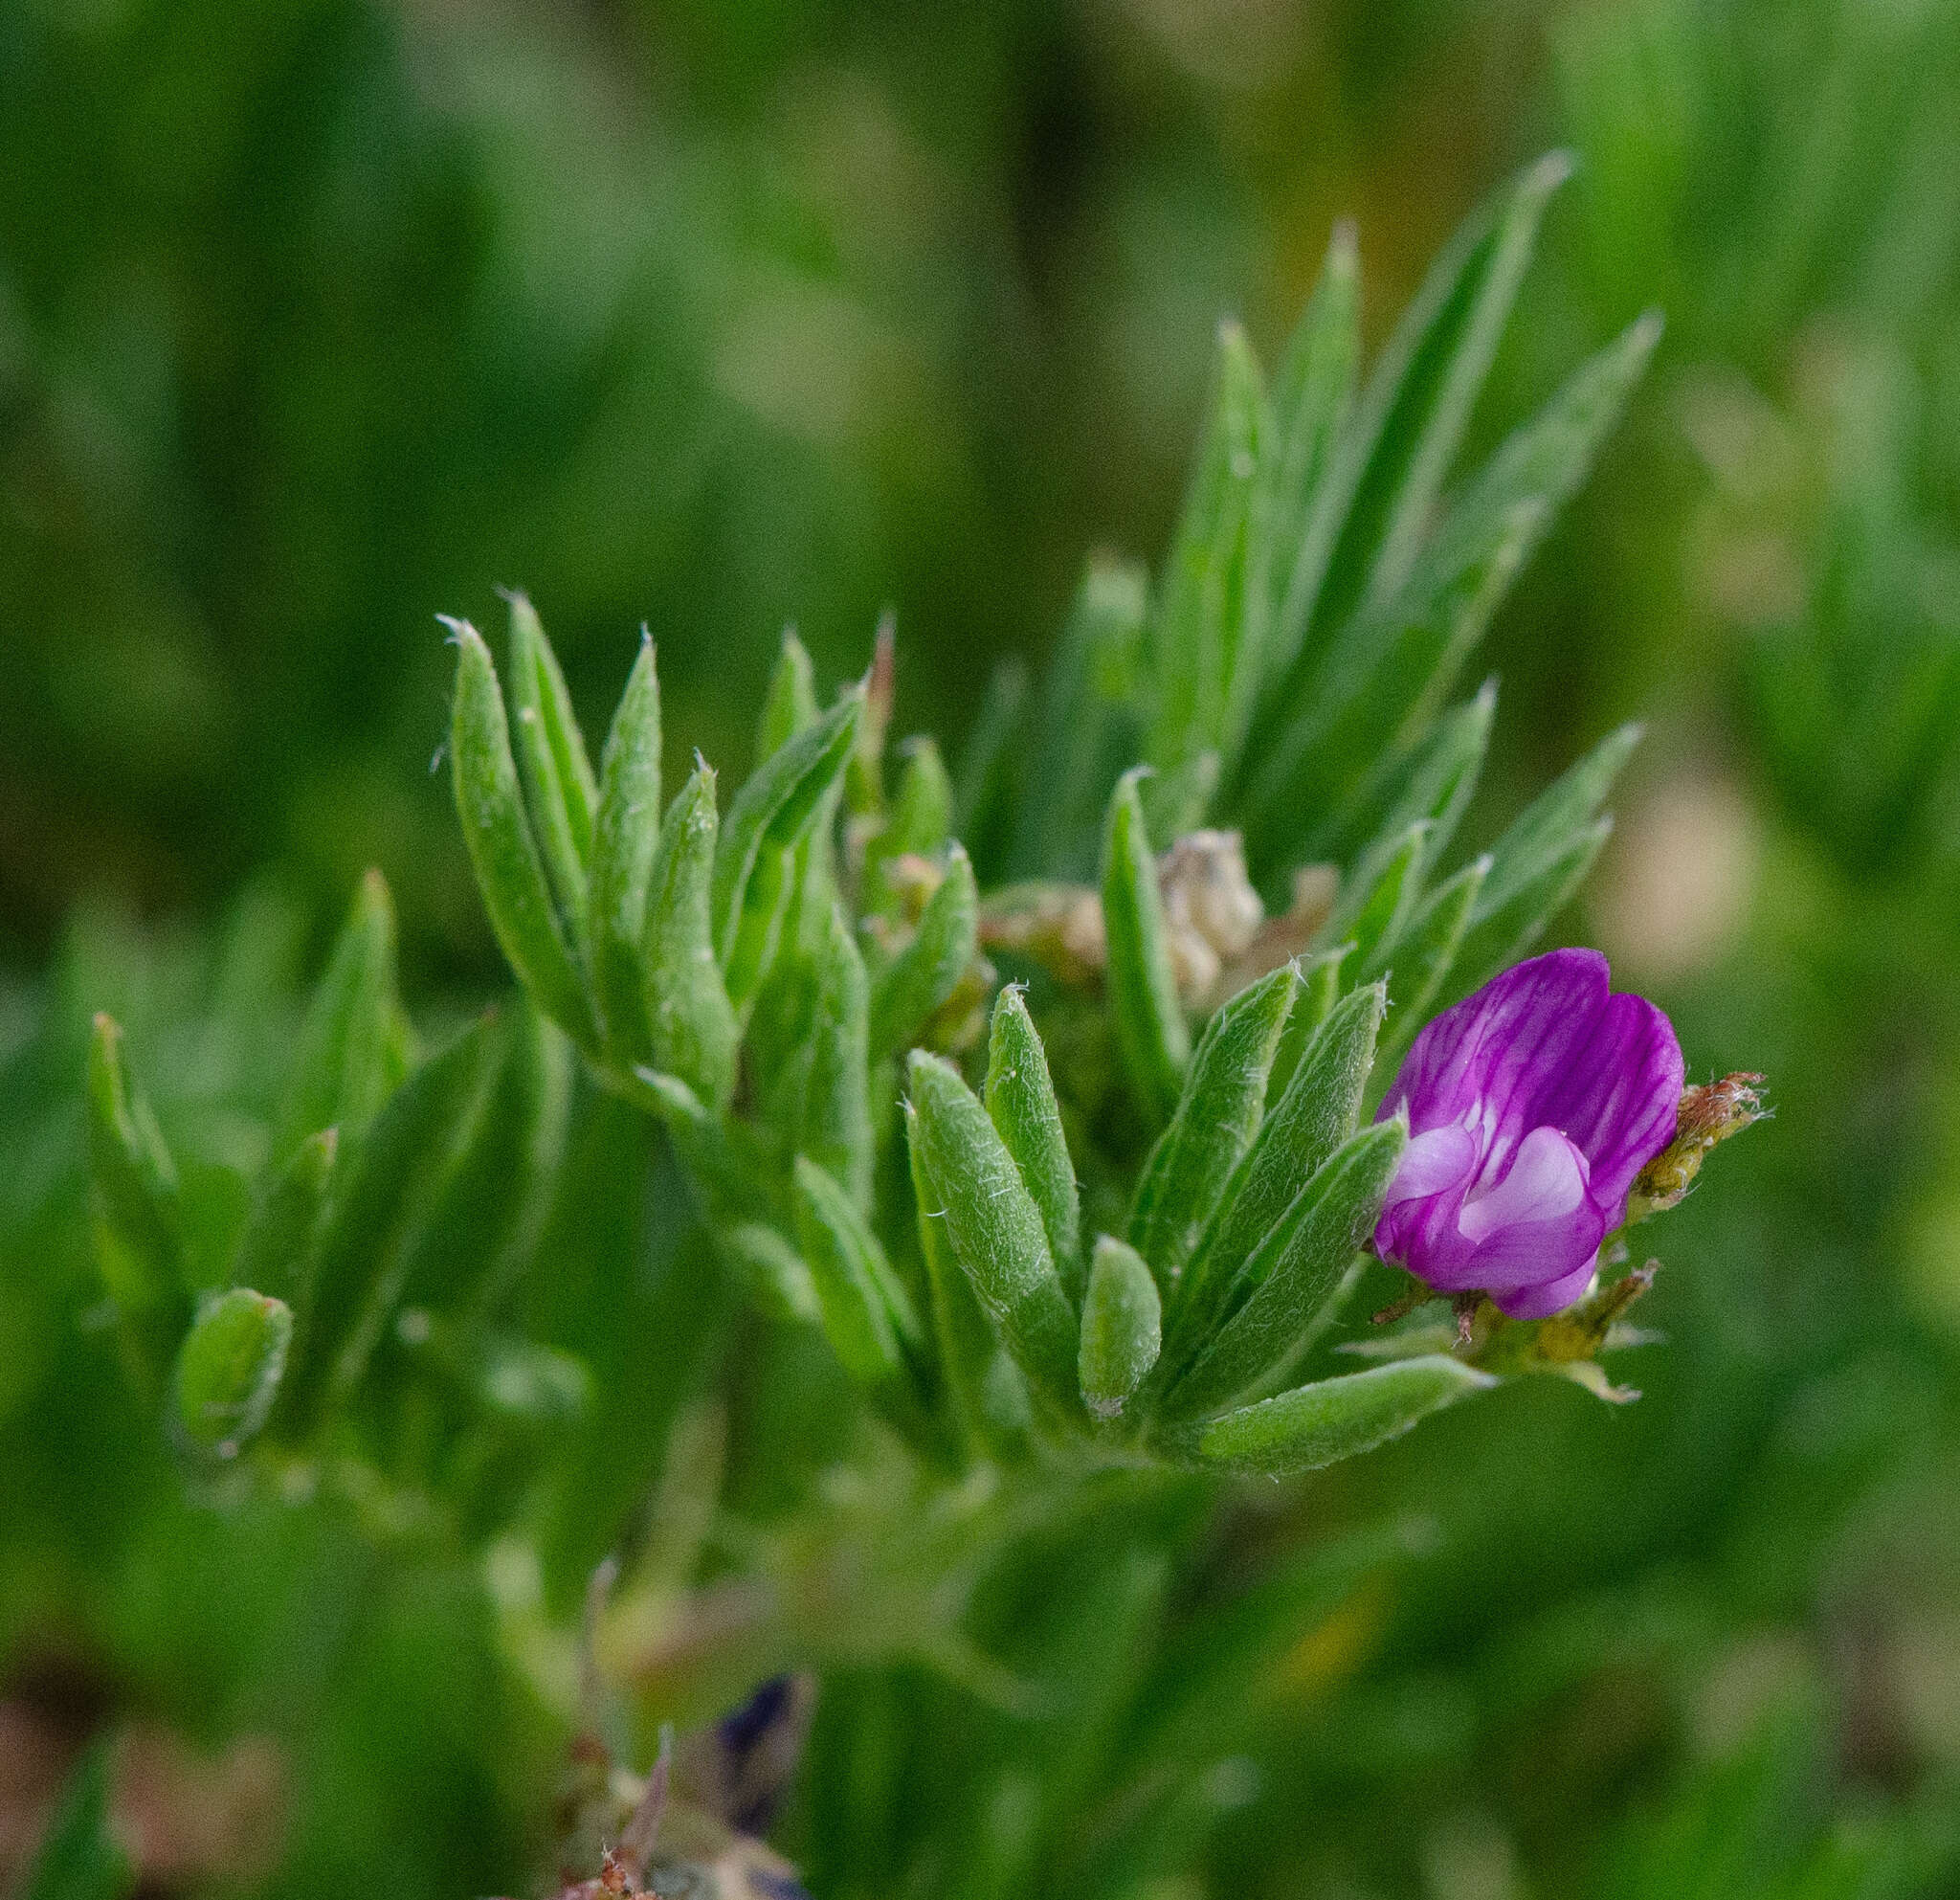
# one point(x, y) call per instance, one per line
point(320, 317)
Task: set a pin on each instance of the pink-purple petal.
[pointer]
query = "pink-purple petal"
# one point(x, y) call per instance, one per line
point(1532, 1105)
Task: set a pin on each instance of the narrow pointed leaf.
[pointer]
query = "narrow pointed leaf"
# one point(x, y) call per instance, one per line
point(1202, 683)
point(1297, 504)
point(1152, 1032)
point(1421, 391)
point(1388, 892)
point(560, 792)
point(971, 1357)
point(1122, 1327)
point(278, 1238)
point(1545, 829)
point(790, 707)
point(994, 1228)
point(1316, 1426)
point(1424, 958)
point(1294, 1271)
point(350, 1057)
point(850, 1281)
point(1090, 723)
point(987, 784)
point(1313, 1002)
point(917, 825)
point(510, 875)
point(1020, 1100)
point(229, 1370)
point(1317, 1113)
point(782, 797)
point(691, 1027)
point(1437, 782)
point(626, 831)
point(1497, 938)
point(836, 1124)
point(925, 973)
point(1223, 1103)
point(777, 1274)
point(383, 1197)
point(137, 1217)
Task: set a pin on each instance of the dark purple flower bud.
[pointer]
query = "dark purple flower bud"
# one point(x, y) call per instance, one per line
point(1532, 1106)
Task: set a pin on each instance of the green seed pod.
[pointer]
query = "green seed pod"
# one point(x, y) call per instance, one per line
point(691, 1027)
point(1020, 1100)
point(229, 1370)
point(1122, 1327)
point(1150, 1028)
point(626, 831)
point(509, 873)
point(994, 1228)
point(925, 973)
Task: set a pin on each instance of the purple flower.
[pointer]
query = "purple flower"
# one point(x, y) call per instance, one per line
point(1532, 1105)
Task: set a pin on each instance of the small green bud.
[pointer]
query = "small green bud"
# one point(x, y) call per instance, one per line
point(228, 1368)
point(1122, 1327)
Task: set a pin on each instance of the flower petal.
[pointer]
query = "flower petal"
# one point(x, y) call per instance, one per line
point(1618, 1102)
point(1549, 1296)
point(1538, 1223)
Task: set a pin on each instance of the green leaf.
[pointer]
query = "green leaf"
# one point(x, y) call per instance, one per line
point(1020, 1100)
point(1122, 1327)
point(856, 1294)
point(1497, 938)
point(1297, 507)
point(1151, 1033)
point(502, 847)
point(383, 1194)
point(352, 1051)
point(994, 1228)
point(835, 1124)
point(80, 1857)
point(782, 798)
point(279, 1236)
point(919, 824)
point(1289, 1281)
point(1381, 685)
point(790, 707)
point(138, 1215)
point(1203, 681)
point(1435, 781)
point(559, 792)
point(1425, 955)
point(1320, 990)
point(1316, 1426)
point(1386, 890)
point(1546, 829)
point(1316, 1114)
point(989, 781)
point(228, 1368)
point(927, 971)
point(976, 1369)
point(1089, 715)
point(626, 831)
point(691, 1028)
point(1223, 1102)
point(1422, 389)
point(777, 1274)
